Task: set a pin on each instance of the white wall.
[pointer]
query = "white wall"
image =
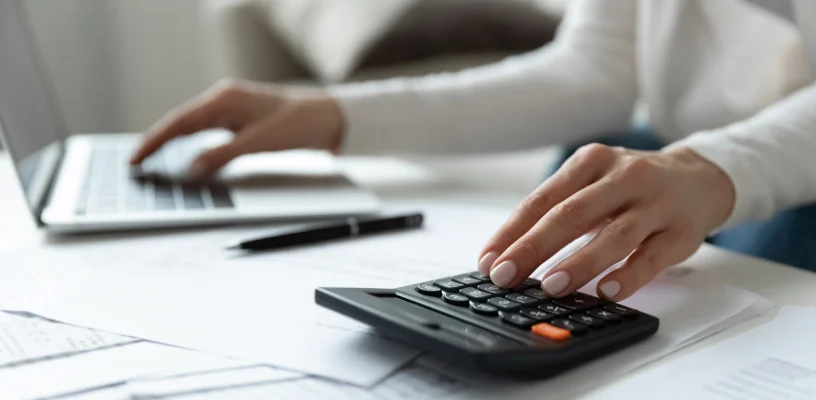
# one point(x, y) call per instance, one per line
point(118, 65)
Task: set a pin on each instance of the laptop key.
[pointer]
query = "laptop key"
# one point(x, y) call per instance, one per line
point(165, 203)
point(221, 197)
point(192, 198)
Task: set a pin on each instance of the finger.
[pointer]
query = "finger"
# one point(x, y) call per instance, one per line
point(614, 242)
point(210, 161)
point(563, 224)
point(578, 172)
point(252, 139)
point(207, 112)
point(652, 257)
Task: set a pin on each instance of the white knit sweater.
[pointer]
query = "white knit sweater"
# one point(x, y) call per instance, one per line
point(726, 78)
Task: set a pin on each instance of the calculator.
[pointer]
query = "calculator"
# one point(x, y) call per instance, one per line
point(520, 332)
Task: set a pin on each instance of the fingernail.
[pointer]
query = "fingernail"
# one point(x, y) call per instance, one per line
point(556, 283)
point(503, 274)
point(197, 171)
point(486, 262)
point(610, 289)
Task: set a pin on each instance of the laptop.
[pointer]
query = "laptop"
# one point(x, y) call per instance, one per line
point(82, 183)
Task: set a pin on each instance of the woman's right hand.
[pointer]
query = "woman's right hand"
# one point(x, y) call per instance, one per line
point(263, 117)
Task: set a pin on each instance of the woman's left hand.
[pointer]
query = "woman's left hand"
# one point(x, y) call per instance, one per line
point(655, 208)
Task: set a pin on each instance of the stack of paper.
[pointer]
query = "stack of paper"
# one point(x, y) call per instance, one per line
point(184, 290)
point(774, 361)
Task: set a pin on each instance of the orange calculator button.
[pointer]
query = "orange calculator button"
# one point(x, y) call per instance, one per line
point(550, 331)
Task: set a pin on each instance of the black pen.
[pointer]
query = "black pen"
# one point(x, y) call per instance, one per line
point(349, 228)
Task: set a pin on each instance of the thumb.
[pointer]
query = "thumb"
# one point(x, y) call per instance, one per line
point(208, 162)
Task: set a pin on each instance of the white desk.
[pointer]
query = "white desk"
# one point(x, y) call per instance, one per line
point(464, 182)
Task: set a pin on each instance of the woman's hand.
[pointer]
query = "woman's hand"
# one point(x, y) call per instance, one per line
point(654, 207)
point(263, 118)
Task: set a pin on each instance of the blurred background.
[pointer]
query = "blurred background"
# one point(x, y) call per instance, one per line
point(118, 65)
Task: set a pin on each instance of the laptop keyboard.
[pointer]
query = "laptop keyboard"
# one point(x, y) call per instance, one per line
point(110, 187)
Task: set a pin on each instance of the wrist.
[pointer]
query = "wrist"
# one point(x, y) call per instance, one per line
point(332, 125)
point(718, 188)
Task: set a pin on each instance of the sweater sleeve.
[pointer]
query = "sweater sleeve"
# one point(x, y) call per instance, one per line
point(770, 158)
point(581, 85)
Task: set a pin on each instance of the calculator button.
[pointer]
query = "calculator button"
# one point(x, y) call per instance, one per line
point(504, 304)
point(572, 326)
point(483, 309)
point(467, 280)
point(625, 311)
point(429, 290)
point(523, 299)
point(528, 283)
point(492, 289)
point(479, 276)
point(537, 315)
point(518, 320)
point(448, 285)
point(551, 332)
point(607, 316)
point(587, 320)
point(578, 301)
point(537, 293)
point(456, 299)
point(554, 309)
point(475, 294)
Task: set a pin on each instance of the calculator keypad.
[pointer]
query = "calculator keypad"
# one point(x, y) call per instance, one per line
point(526, 306)
point(522, 299)
point(484, 309)
point(504, 304)
point(578, 301)
point(429, 290)
point(493, 289)
point(518, 320)
point(554, 309)
point(456, 299)
point(467, 280)
point(475, 294)
point(448, 285)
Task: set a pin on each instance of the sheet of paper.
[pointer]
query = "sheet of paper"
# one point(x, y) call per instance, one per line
point(113, 392)
point(186, 290)
point(209, 381)
point(773, 361)
point(260, 308)
point(199, 367)
point(84, 371)
point(411, 383)
point(26, 340)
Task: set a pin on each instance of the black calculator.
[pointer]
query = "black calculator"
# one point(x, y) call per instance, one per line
point(519, 332)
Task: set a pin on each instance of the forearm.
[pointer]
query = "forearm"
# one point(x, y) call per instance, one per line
point(769, 157)
point(581, 85)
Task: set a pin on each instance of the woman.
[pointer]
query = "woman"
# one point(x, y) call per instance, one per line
point(726, 83)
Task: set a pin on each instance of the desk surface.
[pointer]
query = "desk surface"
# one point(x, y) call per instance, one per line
point(395, 180)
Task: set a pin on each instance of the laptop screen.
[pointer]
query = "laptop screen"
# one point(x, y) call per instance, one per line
point(30, 127)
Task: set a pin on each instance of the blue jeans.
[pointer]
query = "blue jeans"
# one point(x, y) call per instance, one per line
point(789, 237)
